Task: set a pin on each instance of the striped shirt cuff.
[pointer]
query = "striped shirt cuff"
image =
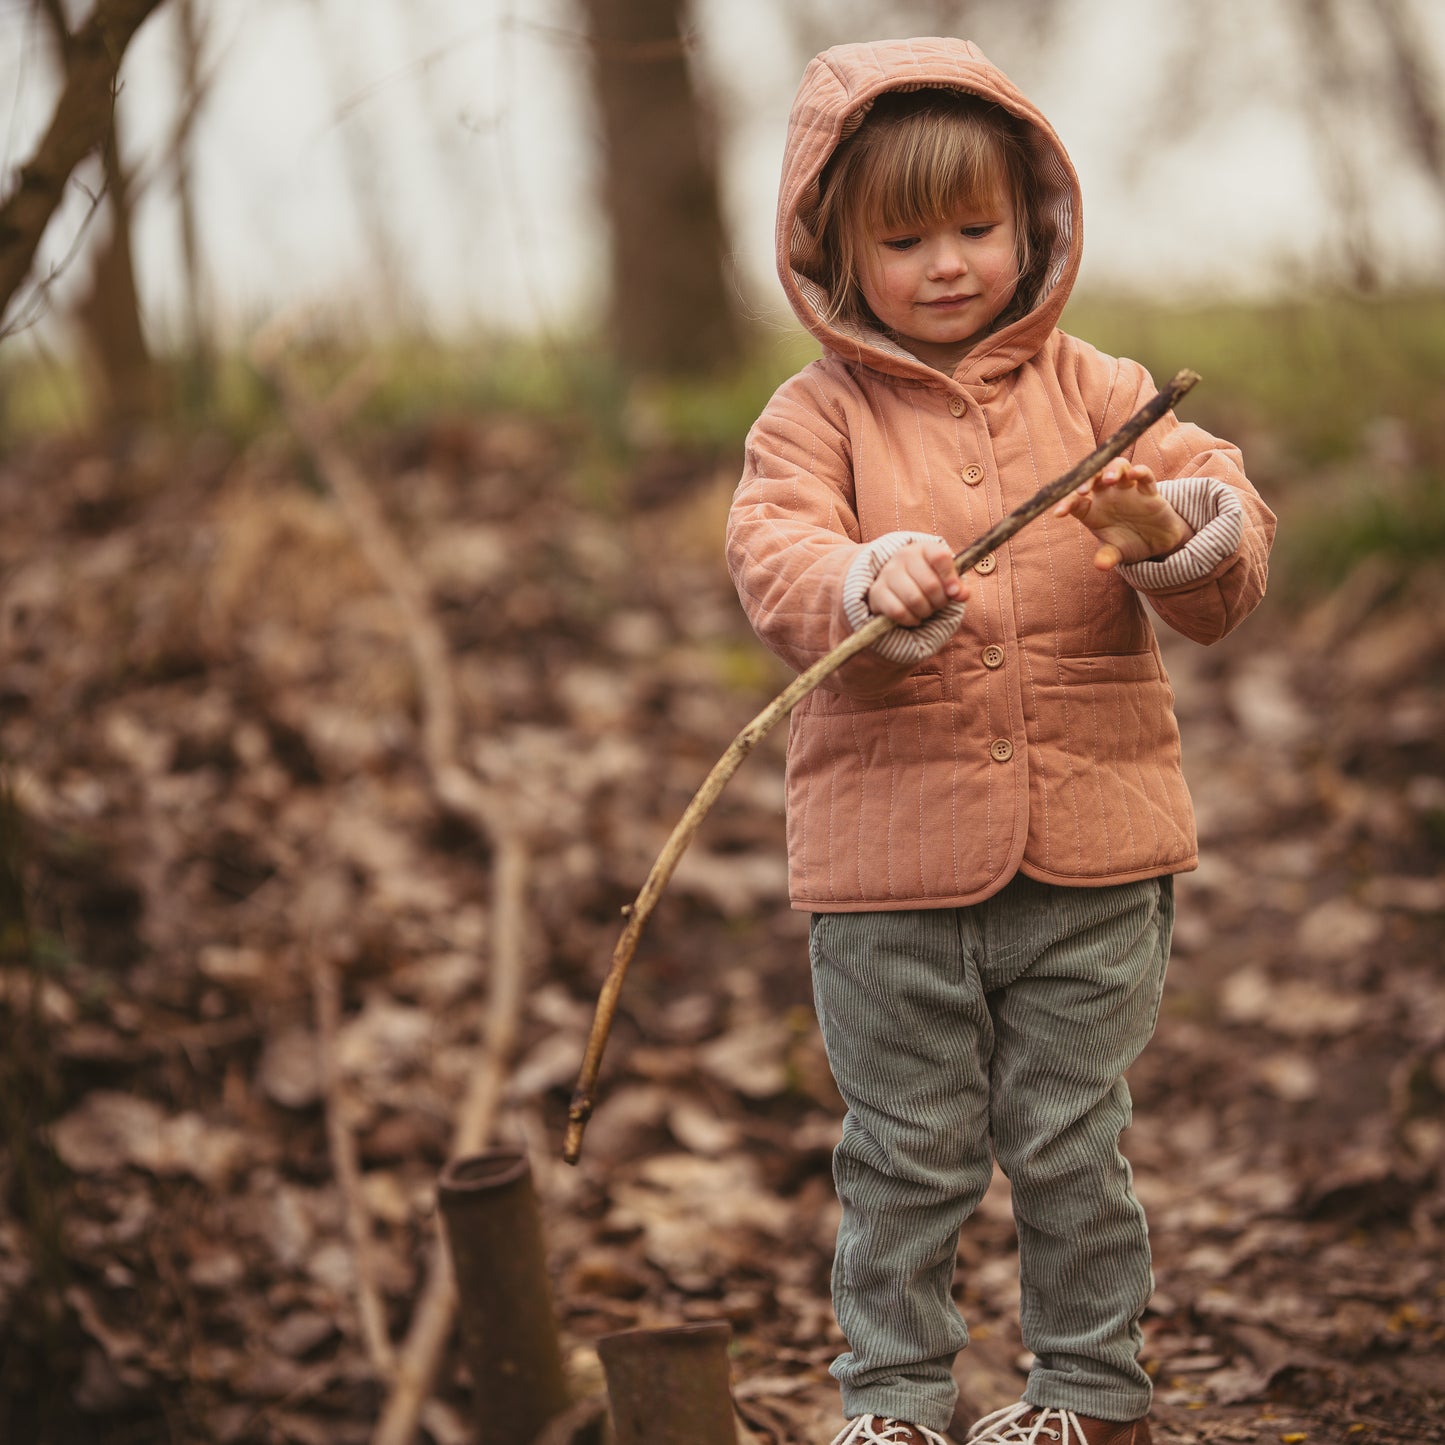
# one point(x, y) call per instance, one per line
point(1213, 510)
point(902, 644)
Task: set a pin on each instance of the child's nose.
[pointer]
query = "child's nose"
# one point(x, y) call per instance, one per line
point(948, 259)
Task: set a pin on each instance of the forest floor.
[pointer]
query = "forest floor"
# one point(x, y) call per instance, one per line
point(209, 725)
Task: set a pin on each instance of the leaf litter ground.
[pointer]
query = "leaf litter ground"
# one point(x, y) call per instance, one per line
point(209, 723)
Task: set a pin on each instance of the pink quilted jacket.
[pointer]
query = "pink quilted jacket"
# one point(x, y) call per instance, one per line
point(1040, 734)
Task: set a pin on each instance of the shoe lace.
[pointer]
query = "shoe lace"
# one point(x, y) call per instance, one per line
point(883, 1430)
point(1012, 1426)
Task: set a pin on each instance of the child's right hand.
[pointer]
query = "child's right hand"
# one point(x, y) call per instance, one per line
point(915, 582)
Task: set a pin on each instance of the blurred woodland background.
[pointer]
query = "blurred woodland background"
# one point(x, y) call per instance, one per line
point(373, 381)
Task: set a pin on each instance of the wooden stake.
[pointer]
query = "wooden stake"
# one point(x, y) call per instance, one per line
point(670, 1386)
point(584, 1095)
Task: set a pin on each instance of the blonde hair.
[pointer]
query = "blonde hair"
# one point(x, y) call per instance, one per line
point(918, 156)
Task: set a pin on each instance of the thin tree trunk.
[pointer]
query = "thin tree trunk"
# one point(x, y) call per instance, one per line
point(1333, 95)
point(670, 306)
point(82, 118)
point(1415, 88)
point(200, 363)
point(110, 310)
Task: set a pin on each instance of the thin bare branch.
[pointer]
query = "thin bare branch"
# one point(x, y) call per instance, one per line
point(80, 122)
point(37, 302)
point(1415, 89)
point(345, 1161)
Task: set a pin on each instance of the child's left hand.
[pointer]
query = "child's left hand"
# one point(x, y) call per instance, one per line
point(1123, 509)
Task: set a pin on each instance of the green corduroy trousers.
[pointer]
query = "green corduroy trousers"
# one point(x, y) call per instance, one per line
point(958, 1036)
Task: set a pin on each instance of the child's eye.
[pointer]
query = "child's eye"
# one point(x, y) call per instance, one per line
point(901, 243)
point(976, 233)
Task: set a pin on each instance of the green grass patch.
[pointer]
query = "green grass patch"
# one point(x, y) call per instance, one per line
point(1339, 404)
point(1400, 521)
point(717, 412)
point(1317, 375)
point(40, 394)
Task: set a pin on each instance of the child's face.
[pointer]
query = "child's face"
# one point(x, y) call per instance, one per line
point(939, 284)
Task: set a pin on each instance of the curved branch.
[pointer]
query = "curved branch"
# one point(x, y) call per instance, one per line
point(81, 121)
point(584, 1095)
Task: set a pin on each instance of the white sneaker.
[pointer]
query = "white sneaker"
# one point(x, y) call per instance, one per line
point(885, 1430)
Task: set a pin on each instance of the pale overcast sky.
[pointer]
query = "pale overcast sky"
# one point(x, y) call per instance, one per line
point(467, 121)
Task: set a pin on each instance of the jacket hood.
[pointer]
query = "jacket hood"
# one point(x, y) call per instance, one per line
point(836, 92)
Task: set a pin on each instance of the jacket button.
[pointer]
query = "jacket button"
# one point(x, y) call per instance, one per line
point(956, 405)
point(973, 474)
point(986, 564)
point(1001, 751)
point(993, 656)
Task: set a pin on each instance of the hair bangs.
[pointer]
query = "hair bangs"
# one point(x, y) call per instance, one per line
point(929, 174)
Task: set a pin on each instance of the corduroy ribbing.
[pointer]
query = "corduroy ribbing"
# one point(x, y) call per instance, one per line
point(1012, 1021)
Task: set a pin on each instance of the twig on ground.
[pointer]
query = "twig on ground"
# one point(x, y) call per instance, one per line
point(413, 1373)
point(326, 992)
point(584, 1095)
point(315, 425)
point(432, 1319)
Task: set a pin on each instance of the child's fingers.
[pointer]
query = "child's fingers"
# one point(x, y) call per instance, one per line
point(1077, 502)
point(1120, 473)
point(930, 566)
point(914, 583)
point(942, 563)
point(902, 602)
point(927, 581)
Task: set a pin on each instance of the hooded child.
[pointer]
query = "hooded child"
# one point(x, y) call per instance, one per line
point(986, 808)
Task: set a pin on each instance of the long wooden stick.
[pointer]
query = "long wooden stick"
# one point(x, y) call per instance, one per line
point(584, 1095)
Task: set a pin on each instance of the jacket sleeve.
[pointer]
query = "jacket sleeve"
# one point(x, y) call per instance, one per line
point(793, 539)
point(1210, 587)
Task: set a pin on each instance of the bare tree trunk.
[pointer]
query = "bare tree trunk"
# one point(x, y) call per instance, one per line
point(670, 305)
point(200, 363)
point(110, 311)
point(82, 118)
point(1333, 95)
point(1415, 88)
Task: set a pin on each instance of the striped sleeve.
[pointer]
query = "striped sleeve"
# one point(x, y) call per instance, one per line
point(902, 644)
point(1213, 509)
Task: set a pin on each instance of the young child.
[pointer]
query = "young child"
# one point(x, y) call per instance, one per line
point(984, 810)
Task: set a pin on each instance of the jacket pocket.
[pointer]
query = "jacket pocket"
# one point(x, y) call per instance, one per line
point(923, 685)
point(1110, 667)
point(1109, 708)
